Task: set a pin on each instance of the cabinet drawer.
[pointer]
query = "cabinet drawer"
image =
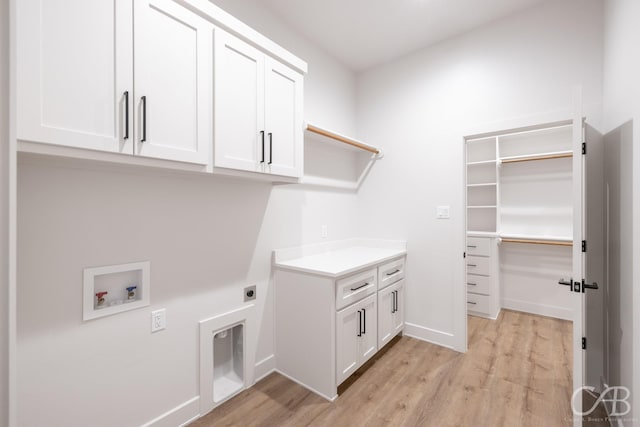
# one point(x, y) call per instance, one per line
point(479, 246)
point(479, 265)
point(479, 284)
point(355, 287)
point(390, 272)
point(479, 303)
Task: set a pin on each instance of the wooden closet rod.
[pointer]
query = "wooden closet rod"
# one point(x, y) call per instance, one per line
point(342, 139)
point(542, 157)
point(537, 242)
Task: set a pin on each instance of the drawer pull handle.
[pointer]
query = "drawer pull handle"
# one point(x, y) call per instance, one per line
point(262, 136)
point(471, 265)
point(359, 287)
point(471, 246)
point(393, 272)
point(471, 302)
point(471, 284)
point(359, 323)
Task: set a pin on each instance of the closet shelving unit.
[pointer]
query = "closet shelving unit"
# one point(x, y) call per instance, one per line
point(345, 172)
point(519, 218)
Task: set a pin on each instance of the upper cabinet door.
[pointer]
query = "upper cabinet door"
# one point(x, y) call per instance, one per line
point(284, 121)
point(74, 65)
point(173, 82)
point(239, 136)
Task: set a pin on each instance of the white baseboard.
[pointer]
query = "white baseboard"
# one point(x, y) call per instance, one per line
point(433, 336)
point(330, 399)
point(181, 415)
point(189, 411)
point(539, 309)
point(265, 367)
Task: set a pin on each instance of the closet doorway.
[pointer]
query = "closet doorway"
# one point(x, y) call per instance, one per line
point(535, 245)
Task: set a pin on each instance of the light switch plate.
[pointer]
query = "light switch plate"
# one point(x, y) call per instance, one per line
point(443, 212)
point(158, 320)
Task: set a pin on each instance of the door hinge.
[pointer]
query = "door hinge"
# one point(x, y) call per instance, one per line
point(464, 254)
point(584, 148)
point(584, 246)
point(584, 343)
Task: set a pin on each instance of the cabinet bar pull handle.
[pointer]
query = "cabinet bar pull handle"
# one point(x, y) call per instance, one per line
point(471, 284)
point(393, 272)
point(471, 246)
point(393, 302)
point(360, 287)
point(126, 114)
point(471, 265)
point(471, 302)
point(143, 99)
point(262, 134)
point(364, 321)
point(270, 148)
point(396, 301)
point(359, 323)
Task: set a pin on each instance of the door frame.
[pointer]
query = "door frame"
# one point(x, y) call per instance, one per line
point(575, 115)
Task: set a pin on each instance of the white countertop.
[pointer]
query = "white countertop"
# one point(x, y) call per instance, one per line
point(344, 258)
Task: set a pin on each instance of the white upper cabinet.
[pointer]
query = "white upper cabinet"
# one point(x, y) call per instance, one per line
point(239, 105)
point(258, 124)
point(74, 68)
point(173, 82)
point(153, 78)
point(283, 119)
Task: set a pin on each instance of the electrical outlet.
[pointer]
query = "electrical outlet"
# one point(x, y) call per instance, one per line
point(158, 320)
point(324, 231)
point(249, 293)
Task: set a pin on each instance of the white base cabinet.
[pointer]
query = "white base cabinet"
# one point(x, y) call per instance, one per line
point(356, 335)
point(390, 312)
point(483, 271)
point(327, 327)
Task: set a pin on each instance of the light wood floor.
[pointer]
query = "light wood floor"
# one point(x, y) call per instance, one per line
point(517, 372)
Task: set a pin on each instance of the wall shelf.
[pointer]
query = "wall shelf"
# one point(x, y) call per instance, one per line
point(345, 171)
point(326, 135)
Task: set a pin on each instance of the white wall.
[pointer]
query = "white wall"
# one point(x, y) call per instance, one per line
point(206, 237)
point(4, 211)
point(518, 70)
point(621, 105)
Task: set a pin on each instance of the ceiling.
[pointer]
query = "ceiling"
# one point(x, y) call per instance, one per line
point(365, 33)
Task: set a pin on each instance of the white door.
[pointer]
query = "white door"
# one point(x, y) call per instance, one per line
point(283, 119)
point(74, 70)
point(386, 315)
point(577, 258)
point(348, 333)
point(594, 261)
point(368, 344)
point(239, 134)
point(173, 82)
point(398, 315)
